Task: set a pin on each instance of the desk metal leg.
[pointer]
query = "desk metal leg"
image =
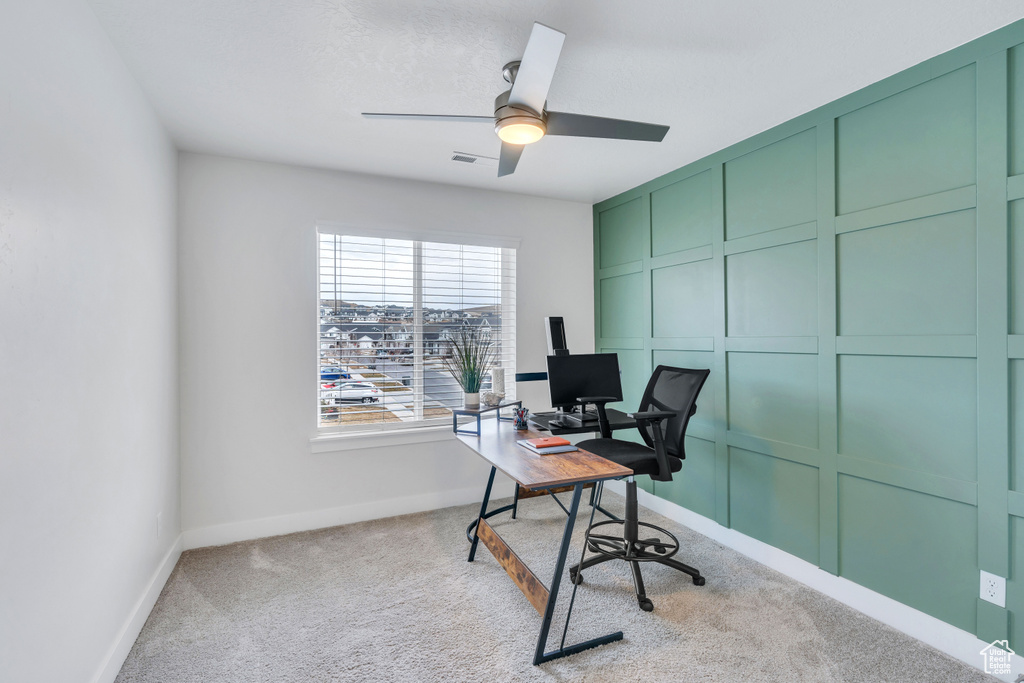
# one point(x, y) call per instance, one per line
point(600, 496)
point(545, 628)
point(483, 513)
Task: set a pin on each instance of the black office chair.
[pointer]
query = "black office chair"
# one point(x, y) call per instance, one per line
point(669, 401)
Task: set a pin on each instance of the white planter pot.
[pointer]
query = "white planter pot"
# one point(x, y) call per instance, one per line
point(471, 401)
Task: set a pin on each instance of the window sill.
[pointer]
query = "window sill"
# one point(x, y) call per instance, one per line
point(355, 441)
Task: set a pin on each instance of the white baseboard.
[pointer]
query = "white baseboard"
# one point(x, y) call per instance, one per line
point(222, 534)
point(122, 645)
point(942, 636)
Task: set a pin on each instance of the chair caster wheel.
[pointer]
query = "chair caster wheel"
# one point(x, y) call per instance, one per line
point(698, 581)
point(646, 605)
point(576, 578)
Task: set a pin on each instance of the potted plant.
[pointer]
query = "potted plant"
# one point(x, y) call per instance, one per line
point(468, 355)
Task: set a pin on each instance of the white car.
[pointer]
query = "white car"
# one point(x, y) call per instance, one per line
point(343, 392)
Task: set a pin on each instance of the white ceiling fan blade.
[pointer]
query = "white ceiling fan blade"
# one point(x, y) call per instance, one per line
point(430, 117)
point(583, 126)
point(509, 158)
point(537, 68)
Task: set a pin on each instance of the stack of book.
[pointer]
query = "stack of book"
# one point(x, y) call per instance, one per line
point(547, 445)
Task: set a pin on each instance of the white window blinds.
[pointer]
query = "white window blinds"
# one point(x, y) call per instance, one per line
point(386, 309)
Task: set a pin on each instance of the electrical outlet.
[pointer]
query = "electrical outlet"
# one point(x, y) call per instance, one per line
point(159, 523)
point(993, 589)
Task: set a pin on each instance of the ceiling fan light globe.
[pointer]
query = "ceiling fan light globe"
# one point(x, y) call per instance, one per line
point(519, 130)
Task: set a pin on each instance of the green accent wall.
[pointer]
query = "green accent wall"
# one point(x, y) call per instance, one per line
point(854, 279)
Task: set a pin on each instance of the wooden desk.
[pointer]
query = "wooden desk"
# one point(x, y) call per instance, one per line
point(496, 444)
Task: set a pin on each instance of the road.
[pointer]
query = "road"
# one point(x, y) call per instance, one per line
point(438, 384)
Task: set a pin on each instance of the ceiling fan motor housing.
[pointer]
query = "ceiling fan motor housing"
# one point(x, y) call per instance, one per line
point(517, 125)
point(503, 110)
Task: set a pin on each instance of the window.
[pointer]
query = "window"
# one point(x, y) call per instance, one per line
point(387, 305)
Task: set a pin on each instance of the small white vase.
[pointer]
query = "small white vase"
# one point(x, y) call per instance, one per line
point(498, 380)
point(471, 401)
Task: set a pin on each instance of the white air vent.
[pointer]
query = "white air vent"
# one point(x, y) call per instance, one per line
point(476, 159)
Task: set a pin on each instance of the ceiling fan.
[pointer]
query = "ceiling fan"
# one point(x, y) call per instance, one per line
point(519, 114)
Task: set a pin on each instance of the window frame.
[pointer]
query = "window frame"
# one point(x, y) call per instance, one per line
point(341, 437)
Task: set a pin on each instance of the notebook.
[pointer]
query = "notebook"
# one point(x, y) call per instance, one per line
point(547, 442)
point(525, 443)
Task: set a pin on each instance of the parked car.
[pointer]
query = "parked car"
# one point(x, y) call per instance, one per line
point(343, 392)
point(333, 372)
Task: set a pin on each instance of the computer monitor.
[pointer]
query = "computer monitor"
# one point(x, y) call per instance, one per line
point(589, 374)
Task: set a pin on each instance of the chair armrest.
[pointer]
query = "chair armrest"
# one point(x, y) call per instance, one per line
point(655, 417)
point(596, 399)
point(651, 415)
point(602, 416)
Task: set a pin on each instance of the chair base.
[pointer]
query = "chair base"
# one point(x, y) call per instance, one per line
point(619, 548)
point(576, 573)
point(633, 551)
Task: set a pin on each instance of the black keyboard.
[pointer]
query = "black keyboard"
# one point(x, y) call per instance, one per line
point(575, 420)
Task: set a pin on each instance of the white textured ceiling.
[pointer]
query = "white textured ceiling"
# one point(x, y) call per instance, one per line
point(285, 80)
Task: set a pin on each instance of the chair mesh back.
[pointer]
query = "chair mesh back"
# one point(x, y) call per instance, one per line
point(674, 390)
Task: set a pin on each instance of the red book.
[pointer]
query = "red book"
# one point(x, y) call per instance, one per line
point(547, 442)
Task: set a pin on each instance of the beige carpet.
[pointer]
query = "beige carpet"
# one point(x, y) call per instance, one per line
point(395, 600)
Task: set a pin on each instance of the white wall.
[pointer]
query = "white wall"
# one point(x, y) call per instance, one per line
point(88, 351)
point(248, 339)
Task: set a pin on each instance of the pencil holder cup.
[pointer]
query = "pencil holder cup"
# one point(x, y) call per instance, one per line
point(520, 421)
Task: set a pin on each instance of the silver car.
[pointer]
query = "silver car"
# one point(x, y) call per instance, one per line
point(344, 392)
